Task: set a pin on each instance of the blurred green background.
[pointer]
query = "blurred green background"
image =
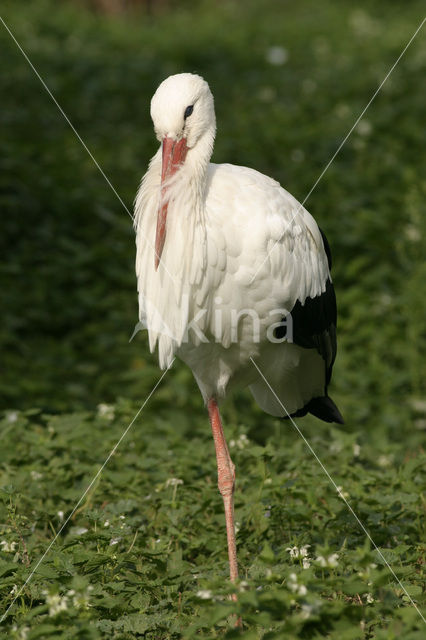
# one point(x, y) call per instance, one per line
point(289, 81)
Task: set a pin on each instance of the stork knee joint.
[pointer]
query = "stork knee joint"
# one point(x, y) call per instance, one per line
point(226, 480)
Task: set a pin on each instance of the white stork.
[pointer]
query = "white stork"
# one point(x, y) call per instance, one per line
point(224, 254)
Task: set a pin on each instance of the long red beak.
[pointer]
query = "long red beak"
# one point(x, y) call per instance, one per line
point(174, 154)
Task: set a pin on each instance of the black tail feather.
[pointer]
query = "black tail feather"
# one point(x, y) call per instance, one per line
point(323, 408)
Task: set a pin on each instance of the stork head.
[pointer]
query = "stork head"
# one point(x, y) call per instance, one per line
point(182, 111)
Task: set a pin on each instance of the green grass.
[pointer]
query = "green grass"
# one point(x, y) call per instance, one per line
point(144, 555)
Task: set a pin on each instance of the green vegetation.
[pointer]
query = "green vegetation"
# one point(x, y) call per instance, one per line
point(144, 553)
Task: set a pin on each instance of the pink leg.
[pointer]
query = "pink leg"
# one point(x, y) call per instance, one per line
point(226, 482)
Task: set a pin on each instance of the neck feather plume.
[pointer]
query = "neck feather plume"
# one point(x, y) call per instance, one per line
point(167, 294)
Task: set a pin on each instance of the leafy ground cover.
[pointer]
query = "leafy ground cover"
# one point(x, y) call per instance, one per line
point(143, 553)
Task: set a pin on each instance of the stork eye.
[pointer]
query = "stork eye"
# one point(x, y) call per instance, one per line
point(188, 111)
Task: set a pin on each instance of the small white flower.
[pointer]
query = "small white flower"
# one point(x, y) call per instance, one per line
point(413, 234)
point(106, 523)
point(106, 411)
point(205, 594)
point(364, 127)
point(342, 494)
point(276, 55)
point(385, 300)
point(22, 633)
point(12, 416)
point(331, 561)
point(369, 598)
point(80, 531)
point(80, 600)
point(8, 547)
point(296, 552)
point(295, 587)
point(384, 461)
point(122, 517)
point(14, 590)
point(237, 527)
point(35, 475)
point(356, 450)
point(366, 572)
point(306, 563)
point(56, 603)
point(173, 482)
point(342, 110)
point(363, 24)
point(241, 442)
point(60, 515)
point(292, 582)
point(114, 541)
point(418, 404)
point(307, 610)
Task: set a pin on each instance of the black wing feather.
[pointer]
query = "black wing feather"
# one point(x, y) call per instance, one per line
point(314, 327)
point(314, 322)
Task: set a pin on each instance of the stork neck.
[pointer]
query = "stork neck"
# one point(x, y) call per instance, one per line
point(185, 250)
point(197, 162)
